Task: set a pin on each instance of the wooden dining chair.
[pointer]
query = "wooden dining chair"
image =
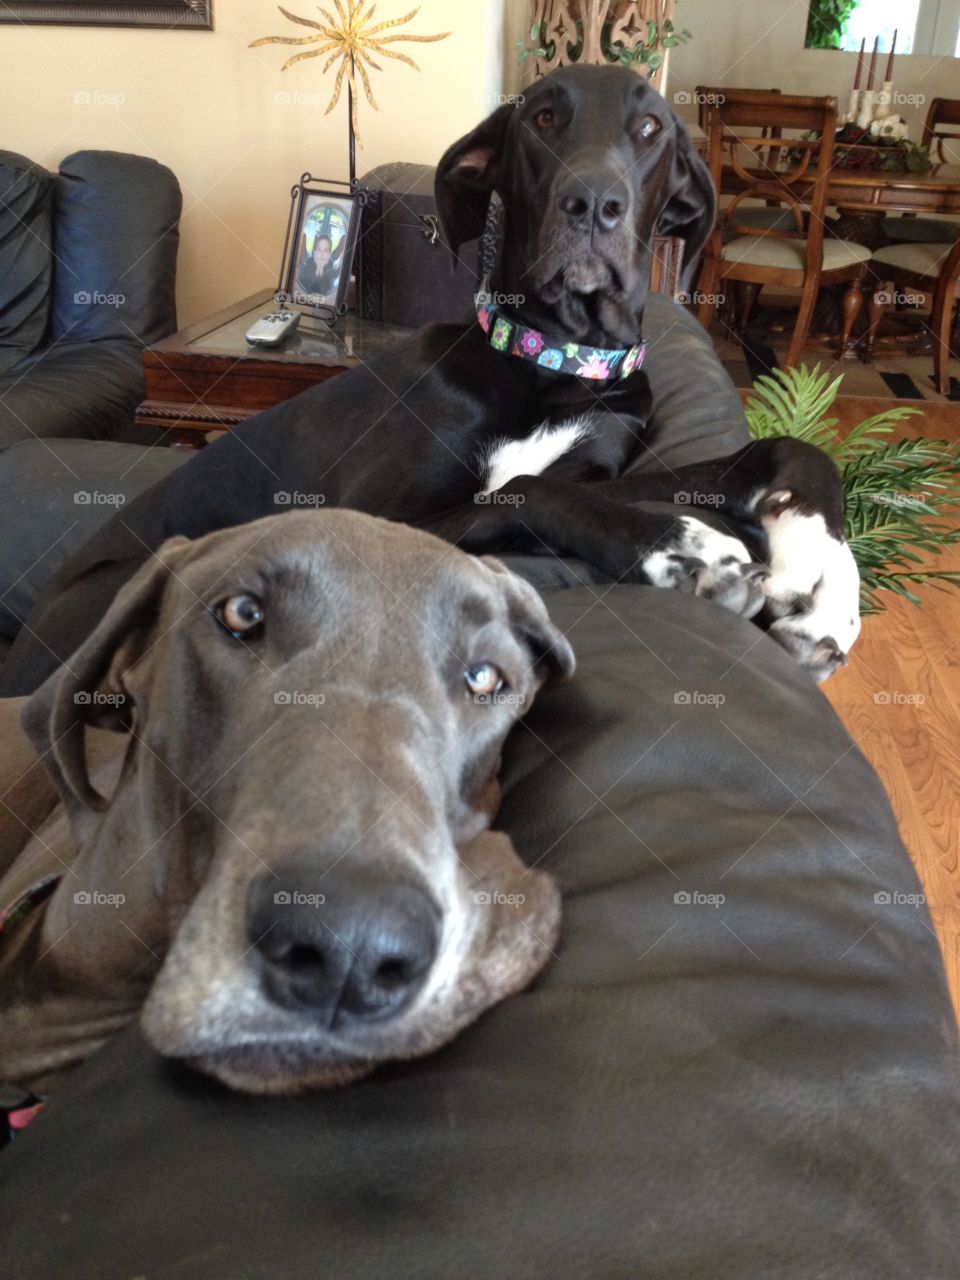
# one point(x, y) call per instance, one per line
point(929, 268)
point(941, 133)
point(799, 257)
point(772, 214)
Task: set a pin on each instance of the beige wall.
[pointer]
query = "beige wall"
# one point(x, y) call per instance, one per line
point(760, 45)
point(206, 105)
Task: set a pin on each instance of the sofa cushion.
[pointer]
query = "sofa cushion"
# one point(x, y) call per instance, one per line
point(26, 266)
point(55, 494)
point(85, 390)
point(117, 221)
point(741, 1065)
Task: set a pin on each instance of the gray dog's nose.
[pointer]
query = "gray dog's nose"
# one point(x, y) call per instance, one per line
point(595, 197)
point(350, 946)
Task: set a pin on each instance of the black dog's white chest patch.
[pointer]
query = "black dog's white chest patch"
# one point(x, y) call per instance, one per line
point(504, 459)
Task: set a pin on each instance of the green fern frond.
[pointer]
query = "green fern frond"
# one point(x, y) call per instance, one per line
point(792, 402)
point(896, 491)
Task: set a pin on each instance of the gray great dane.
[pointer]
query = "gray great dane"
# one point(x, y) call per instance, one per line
point(257, 808)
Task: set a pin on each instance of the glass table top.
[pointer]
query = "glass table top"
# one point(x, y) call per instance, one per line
point(350, 340)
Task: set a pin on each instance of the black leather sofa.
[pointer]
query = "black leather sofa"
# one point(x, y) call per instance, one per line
point(742, 1063)
point(87, 272)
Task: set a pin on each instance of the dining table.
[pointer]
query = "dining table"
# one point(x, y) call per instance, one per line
point(863, 199)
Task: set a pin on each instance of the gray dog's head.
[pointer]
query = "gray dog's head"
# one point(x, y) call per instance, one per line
point(316, 707)
point(588, 163)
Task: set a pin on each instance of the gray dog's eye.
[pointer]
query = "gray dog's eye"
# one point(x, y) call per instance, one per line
point(649, 126)
point(483, 678)
point(240, 614)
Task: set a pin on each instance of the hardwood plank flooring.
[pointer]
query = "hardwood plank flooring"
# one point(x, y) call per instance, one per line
point(900, 701)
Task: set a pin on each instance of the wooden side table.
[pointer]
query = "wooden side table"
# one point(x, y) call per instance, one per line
point(208, 378)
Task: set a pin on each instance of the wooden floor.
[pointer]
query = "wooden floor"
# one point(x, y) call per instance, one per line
point(900, 700)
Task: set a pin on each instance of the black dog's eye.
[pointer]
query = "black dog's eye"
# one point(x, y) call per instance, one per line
point(648, 127)
point(241, 615)
point(483, 679)
point(544, 118)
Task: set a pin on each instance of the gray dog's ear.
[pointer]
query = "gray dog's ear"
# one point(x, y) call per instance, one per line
point(466, 176)
point(549, 648)
point(87, 689)
point(691, 209)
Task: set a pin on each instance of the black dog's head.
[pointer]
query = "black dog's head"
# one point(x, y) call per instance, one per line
point(589, 164)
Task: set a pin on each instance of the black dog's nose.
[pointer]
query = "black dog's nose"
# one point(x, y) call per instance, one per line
point(595, 197)
point(347, 946)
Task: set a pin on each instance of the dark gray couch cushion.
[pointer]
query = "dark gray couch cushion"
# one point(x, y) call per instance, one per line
point(764, 1088)
point(116, 235)
point(697, 412)
point(54, 494)
point(74, 390)
point(89, 282)
point(26, 265)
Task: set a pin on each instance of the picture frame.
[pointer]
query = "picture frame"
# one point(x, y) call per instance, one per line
point(322, 233)
point(191, 15)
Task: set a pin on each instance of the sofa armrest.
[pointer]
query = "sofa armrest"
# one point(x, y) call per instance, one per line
point(697, 413)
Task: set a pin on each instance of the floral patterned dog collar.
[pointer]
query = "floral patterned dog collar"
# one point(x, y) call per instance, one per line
point(593, 363)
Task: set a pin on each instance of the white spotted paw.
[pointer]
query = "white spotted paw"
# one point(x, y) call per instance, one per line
point(709, 564)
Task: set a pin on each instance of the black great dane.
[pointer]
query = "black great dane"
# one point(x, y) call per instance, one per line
point(539, 403)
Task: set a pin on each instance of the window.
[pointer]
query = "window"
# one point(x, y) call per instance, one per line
point(872, 18)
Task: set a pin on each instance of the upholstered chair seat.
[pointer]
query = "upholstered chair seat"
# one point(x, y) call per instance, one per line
point(790, 255)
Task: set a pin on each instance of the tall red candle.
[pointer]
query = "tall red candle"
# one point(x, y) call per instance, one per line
point(873, 61)
point(893, 48)
point(863, 45)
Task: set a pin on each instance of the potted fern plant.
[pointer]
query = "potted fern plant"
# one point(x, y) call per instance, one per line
point(902, 496)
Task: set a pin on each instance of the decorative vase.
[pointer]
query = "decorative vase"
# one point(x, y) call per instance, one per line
point(628, 21)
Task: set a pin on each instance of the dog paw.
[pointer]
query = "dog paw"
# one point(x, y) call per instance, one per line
point(812, 604)
point(712, 565)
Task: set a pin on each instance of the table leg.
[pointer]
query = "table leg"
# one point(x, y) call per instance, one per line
point(879, 302)
point(851, 305)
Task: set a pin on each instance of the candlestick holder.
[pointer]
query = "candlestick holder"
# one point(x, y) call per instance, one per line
point(853, 108)
point(865, 117)
point(884, 101)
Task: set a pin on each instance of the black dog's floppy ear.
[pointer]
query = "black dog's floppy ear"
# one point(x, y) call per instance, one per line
point(691, 210)
point(76, 695)
point(550, 651)
point(466, 176)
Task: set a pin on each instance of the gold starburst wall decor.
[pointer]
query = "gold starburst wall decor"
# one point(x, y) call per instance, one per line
point(352, 39)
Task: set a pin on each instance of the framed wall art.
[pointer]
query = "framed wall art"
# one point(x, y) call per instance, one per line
point(196, 15)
